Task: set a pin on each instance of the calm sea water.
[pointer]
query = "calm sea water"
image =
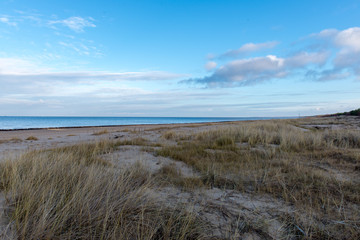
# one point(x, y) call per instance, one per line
point(48, 122)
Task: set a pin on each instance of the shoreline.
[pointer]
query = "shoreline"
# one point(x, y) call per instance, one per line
point(20, 140)
point(232, 119)
point(38, 138)
point(127, 125)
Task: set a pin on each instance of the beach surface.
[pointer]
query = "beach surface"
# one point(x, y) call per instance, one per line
point(21, 140)
point(17, 141)
point(226, 207)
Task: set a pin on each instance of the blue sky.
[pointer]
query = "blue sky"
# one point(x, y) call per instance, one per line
point(179, 58)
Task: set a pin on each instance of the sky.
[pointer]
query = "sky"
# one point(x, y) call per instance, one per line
point(170, 58)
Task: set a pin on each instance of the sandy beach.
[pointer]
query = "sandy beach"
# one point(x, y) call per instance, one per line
point(16, 140)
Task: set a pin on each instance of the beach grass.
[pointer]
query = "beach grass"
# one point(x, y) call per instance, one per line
point(32, 138)
point(11, 140)
point(276, 158)
point(74, 192)
point(71, 193)
point(102, 132)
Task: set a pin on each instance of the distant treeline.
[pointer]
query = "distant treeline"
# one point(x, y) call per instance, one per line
point(351, 113)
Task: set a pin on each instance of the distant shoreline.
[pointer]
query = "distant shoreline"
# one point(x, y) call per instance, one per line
point(215, 120)
point(116, 126)
point(39, 138)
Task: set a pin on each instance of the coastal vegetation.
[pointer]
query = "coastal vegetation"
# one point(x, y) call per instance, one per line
point(304, 168)
point(355, 112)
point(71, 193)
point(274, 179)
point(32, 138)
point(101, 132)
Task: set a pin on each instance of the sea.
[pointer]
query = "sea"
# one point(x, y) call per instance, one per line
point(12, 122)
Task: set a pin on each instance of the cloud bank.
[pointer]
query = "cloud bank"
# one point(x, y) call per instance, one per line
point(14, 69)
point(341, 60)
point(254, 70)
point(90, 75)
point(21, 79)
point(346, 60)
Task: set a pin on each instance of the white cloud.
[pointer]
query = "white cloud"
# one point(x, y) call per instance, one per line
point(210, 65)
point(345, 40)
point(305, 58)
point(20, 69)
point(18, 101)
point(254, 70)
point(18, 66)
point(26, 79)
point(248, 48)
point(349, 39)
point(339, 58)
point(346, 48)
point(245, 72)
point(252, 65)
point(90, 75)
point(346, 59)
point(326, 33)
point(25, 83)
point(76, 24)
point(7, 21)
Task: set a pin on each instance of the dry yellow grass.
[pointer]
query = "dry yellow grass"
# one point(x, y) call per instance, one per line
point(170, 174)
point(73, 193)
point(100, 132)
point(169, 135)
point(11, 140)
point(32, 138)
point(70, 193)
point(173, 135)
point(278, 159)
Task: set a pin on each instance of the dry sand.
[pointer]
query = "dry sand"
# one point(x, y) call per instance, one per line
point(16, 141)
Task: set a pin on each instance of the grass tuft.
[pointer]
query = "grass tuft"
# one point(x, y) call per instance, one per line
point(32, 138)
point(102, 132)
point(12, 140)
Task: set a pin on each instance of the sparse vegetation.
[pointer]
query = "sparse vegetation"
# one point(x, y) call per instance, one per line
point(169, 135)
point(102, 132)
point(11, 140)
point(32, 138)
point(355, 112)
point(173, 135)
point(170, 174)
point(133, 141)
